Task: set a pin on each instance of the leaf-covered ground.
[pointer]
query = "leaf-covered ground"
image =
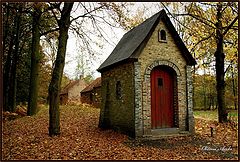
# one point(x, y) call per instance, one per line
point(27, 138)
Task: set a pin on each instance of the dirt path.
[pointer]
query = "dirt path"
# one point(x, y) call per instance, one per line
point(27, 138)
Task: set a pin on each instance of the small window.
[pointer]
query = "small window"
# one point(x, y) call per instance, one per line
point(118, 90)
point(108, 91)
point(91, 97)
point(160, 82)
point(162, 36)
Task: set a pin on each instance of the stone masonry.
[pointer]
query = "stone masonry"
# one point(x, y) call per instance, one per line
point(119, 112)
point(126, 81)
point(191, 125)
point(154, 54)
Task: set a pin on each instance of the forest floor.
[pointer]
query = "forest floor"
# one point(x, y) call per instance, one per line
point(27, 138)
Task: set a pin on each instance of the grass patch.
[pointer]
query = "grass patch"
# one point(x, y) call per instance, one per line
point(208, 115)
point(213, 115)
point(233, 115)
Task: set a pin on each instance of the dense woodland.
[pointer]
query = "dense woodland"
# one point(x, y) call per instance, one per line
point(205, 96)
point(32, 76)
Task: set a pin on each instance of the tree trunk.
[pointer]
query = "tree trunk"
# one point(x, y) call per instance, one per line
point(6, 76)
point(193, 89)
point(234, 91)
point(13, 73)
point(55, 84)
point(6, 27)
point(35, 63)
point(219, 55)
point(213, 102)
point(210, 102)
point(204, 87)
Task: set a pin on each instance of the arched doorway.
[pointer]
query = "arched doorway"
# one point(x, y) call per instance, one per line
point(163, 97)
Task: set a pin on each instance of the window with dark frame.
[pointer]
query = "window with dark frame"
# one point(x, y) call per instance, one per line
point(160, 82)
point(108, 91)
point(91, 97)
point(162, 36)
point(118, 90)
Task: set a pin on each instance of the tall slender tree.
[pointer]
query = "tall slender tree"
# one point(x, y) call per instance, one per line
point(55, 84)
point(220, 56)
point(216, 20)
point(42, 24)
point(35, 59)
point(15, 55)
point(15, 49)
point(8, 58)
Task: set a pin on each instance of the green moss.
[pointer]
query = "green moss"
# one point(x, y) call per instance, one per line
point(119, 113)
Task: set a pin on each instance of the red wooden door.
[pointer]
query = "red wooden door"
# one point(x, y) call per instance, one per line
point(161, 98)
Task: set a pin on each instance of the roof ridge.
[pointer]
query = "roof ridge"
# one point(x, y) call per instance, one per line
point(145, 21)
point(134, 38)
point(118, 52)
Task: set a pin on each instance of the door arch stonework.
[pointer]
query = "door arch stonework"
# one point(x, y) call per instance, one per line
point(146, 91)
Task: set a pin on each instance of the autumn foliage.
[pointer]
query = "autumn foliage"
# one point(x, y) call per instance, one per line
point(27, 138)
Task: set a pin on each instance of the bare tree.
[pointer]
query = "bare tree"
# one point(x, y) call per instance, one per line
point(54, 87)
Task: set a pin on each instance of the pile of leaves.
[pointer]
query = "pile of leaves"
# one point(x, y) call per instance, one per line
point(20, 112)
point(218, 133)
point(27, 138)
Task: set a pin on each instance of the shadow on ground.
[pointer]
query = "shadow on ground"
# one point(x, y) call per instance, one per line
point(195, 142)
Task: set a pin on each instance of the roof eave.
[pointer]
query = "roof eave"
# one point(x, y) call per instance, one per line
point(128, 60)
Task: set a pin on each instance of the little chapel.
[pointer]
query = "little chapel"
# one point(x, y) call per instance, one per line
point(147, 82)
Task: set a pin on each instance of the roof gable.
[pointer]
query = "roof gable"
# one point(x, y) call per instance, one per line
point(71, 85)
point(94, 84)
point(132, 40)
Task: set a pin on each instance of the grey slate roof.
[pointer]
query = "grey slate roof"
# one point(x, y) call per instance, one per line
point(94, 84)
point(132, 40)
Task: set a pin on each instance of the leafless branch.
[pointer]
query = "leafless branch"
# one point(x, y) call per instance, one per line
point(229, 66)
point(102, 18)
point(100, 30)
point(95, 24)
point(53, 6)
point(233, 27)
point(88, 12)
point(204, 21)
point(202, 40)
point(174, 16)
point(53, 12)
point(178, 20)
point(230, 26)
point(234, 8)
point(83, 37)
